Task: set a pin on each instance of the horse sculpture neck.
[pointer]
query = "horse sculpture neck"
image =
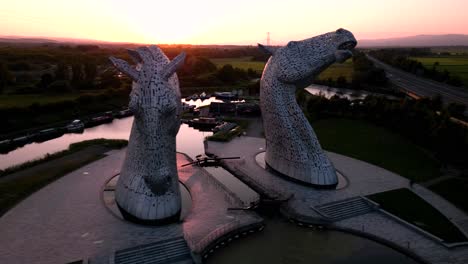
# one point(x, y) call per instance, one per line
point(292, 148)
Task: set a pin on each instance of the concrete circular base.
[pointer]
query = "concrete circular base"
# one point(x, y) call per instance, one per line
point(108, 196)
point(342, 181)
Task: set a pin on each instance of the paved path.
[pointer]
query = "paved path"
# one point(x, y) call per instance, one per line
point(364, 179)
point(67, 220)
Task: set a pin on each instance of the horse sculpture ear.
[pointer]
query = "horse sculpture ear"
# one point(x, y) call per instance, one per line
point(172, 66)
point(124, 67)
point(267, 49)
point(134, 55)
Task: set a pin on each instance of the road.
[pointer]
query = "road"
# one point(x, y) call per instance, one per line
point(423, 87)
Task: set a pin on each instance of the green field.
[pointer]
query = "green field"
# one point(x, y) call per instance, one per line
point(339, 69)
point(378, 146)
point(334, 71)
point(455, 65)
point(241, 63)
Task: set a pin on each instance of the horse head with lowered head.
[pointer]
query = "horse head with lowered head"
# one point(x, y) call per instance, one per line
point(148, 188)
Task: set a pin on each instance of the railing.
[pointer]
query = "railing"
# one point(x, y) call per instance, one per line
point(199, 246)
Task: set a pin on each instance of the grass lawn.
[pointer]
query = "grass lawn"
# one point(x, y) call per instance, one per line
point(241, 63)
point(338, 69)
point(34, 175)
point(378, 146)
point(454, 190)
point(408, 206)
point(455, 65)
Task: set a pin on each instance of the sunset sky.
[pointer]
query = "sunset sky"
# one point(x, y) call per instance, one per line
point(228, 22)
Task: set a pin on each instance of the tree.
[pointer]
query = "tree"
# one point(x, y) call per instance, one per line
point(61, 73)
point(90, 71)
point(46, 80)
point(5, 77)
point(77, 71)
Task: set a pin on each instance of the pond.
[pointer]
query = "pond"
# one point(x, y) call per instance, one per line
point(283, 243)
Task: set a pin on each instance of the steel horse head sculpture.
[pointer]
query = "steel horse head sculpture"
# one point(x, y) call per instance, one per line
point(292, 148)
point(148, 188)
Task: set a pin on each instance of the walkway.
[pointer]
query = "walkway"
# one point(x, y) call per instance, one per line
point(68, 221)
point(364, 179)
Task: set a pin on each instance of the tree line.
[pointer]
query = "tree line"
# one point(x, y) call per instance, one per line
point(426, 121)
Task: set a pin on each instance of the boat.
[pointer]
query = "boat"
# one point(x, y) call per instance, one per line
point(225, 126)
point(187, 108)
point(203, 123)
point(47, 134)
point(107, 117)
point(204, 96)
point(225, 95)
point(194, 97)
point(21, 141)
point(6, 146)
point(76, 126)
point(123, 113)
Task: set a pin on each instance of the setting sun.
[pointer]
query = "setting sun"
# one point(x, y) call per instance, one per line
point(227, 22)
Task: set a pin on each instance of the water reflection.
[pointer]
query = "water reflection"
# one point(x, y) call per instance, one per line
point(189, 141)
point(328, 92)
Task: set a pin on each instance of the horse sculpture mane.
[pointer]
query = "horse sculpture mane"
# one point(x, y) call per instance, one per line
point(292, 148)
point(148, 190)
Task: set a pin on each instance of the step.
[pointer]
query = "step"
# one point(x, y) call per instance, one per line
point(326, 206)
point(167, 253)
point(345, 209)
point(164, 252)
point(152, 246)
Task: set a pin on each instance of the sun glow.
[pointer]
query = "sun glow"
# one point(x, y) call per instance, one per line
point(227, 21)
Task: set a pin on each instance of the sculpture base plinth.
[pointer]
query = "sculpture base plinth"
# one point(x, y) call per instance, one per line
point(164, 221)
point(317, 186)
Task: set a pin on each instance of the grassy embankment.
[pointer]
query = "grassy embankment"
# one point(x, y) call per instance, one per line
point(408, 206)
point(378, 146)
point(456, 65)
point(20, 181)
point(454, 190)
point(225, 136)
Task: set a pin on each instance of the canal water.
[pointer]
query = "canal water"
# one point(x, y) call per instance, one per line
point(328, 92)
point(189, 140)
point(284, 243)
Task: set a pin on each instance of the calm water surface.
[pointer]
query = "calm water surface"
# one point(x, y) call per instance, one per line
point(328, 92)
point(284, 243)
point(189, 140)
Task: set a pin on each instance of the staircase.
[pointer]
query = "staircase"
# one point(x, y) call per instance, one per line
point(344, 209)
point(168, 251)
